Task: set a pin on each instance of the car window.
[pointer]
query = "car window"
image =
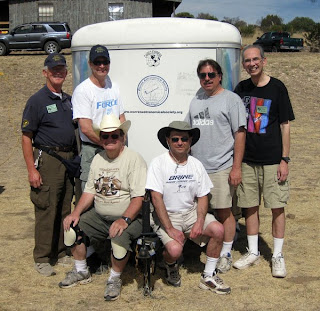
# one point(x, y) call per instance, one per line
point(57, 28)
point(23, 29)
point(38, 29)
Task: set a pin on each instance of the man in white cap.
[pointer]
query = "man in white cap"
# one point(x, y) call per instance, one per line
point(116, 186)
point(179, 187)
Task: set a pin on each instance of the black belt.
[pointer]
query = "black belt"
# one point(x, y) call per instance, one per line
point(91, 144)
point(55, 148)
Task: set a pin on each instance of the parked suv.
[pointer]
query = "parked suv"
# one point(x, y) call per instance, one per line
point(49, 37)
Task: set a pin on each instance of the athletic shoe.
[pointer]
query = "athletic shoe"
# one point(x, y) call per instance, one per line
point(173, 277)
point(113, 289)
point(215, 284)
point(278, 266)
point(247, 260)
point(74, 278)
point(44, 268)
point(224, 263)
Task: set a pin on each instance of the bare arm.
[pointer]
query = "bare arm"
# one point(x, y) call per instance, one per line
point(239, 145)
point(132, 211)
point(122, 118)
point(157, 201)
point(84, 203)
point(34, 176)
point(202, 210)
point(283, 169)
point(86, 128)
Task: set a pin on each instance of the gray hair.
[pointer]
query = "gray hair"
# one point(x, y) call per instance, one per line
point(253, 46)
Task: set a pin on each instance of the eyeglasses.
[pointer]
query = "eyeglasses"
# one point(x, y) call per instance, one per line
point(211, 75)
point(255, 60)
point(113, 136)
point(184, 139)
point(101, 62)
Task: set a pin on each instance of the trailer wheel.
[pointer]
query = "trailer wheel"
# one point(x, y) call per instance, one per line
point(3, 49)
point(51, 47)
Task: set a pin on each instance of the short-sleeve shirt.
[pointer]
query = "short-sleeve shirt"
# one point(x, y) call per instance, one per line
point(114, 182)
point(180, 185)
point(267, 107)
point(49, 118)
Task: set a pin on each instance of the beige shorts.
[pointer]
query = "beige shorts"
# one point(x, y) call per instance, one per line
point(262, 180)
point(184, 222)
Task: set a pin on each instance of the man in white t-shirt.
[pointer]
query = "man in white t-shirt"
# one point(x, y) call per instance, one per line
point(116, 186)
point(92, 99)
point(179, 187)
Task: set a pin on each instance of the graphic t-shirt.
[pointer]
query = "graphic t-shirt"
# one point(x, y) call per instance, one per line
point(267, 107)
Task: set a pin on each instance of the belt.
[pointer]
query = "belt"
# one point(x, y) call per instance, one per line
point(55, 148)
point(92, 145)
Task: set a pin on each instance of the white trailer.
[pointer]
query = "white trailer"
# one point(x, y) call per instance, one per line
point(154, 61)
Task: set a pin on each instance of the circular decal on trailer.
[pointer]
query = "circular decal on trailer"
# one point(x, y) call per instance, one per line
point(153, 91)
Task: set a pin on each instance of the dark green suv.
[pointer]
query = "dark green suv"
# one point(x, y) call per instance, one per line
point(49, 37)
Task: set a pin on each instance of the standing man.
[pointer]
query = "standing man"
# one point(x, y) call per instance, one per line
point(92, 99)
point(116, 186)
point(220, 115)
point(265, 164)
point(47, 121)
point(179, 187)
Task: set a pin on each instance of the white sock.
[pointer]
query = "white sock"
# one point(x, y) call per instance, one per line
point(253, 243)
point(226, 248)
point(277, 246)
point(90, 251)
point(114, 275)
point(210, 266)
point(81, 265)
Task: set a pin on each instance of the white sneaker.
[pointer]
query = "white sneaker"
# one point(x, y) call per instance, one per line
point(278, 266)
point(215, 284)
point(247, 260)
point(224, 263)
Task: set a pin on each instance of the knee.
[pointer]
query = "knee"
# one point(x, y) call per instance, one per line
point(216, 230)
point(118, 252)
point(174, 249)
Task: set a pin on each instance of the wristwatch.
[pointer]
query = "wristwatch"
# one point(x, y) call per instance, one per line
point(127, 220)
point(286, 159)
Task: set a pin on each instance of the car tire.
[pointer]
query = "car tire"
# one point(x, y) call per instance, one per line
point(3, 49)
point(51, 47)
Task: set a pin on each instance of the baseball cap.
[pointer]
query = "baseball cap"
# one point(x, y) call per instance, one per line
point(98, 51)
point(54, 60)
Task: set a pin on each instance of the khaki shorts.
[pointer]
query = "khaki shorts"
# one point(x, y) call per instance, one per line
point(260, 180)
point(184, 222)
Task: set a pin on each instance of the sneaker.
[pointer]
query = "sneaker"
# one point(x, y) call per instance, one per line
point(247, 260)
point(224, 263)
point(44, 268)
point(278, 266)
point(173, 277)
point(113, 289)
point(74, 278)
point(215, 284)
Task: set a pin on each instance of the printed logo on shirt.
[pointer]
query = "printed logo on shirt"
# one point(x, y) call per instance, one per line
point(107, 104)
point(107, 185)
point(25, 123)
point(52, 108)
point(202, 118)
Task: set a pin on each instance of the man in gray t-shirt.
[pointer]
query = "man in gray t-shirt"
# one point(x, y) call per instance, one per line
point(221, 117)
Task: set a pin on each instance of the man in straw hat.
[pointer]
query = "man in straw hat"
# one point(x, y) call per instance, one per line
point(116, 186)
point(179, 187)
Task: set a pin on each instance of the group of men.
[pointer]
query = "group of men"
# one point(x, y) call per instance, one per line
point(242, 151)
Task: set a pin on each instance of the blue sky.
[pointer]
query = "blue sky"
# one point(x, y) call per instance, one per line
point(253, 10)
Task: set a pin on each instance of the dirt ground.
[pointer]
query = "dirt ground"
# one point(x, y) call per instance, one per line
point(252, 289)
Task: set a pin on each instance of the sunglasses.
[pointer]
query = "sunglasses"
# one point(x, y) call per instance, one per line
point(211, 75)
point(184, 139)
point(101, 62)
point(113, 136)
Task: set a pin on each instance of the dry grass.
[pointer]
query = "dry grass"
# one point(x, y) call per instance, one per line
point(253, 289)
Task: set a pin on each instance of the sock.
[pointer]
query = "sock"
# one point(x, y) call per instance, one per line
point(81, 265)
point(277, 246)
point(210, 266)
point(114, 275)
point(90, 251)
point(253, 243)
point(226, 248)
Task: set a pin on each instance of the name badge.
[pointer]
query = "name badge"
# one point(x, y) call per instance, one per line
point(52, 108)
point(262, 109)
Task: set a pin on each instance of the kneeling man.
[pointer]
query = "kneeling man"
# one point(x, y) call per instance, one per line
point(116, 185)
point(179, 187)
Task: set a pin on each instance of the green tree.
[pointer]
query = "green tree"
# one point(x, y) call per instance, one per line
point(312, 38)
point(207, 16)
point(235, 21)
point(185, 15)
point(269, 21)
point(302, 24)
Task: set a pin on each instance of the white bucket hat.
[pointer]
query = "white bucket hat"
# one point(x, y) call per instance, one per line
point(110, 123)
